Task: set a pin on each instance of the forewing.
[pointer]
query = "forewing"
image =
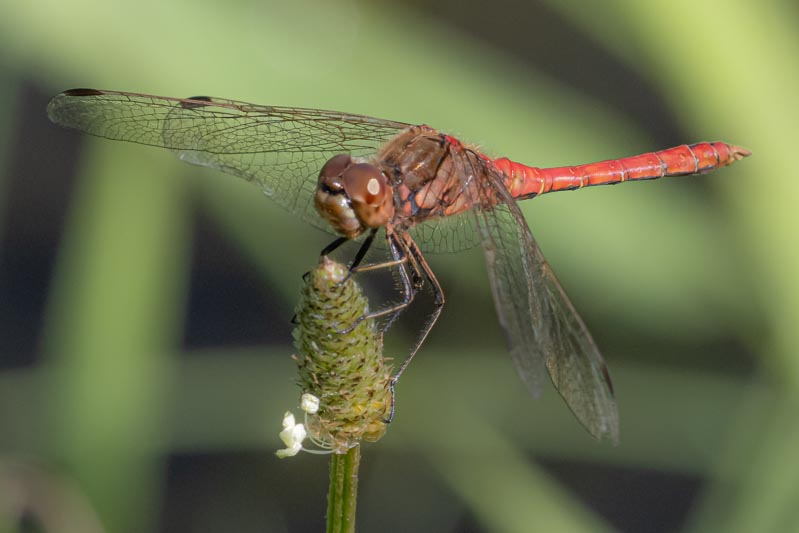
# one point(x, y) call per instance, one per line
point(541, 325)
point(281, 149)
point(452, 233)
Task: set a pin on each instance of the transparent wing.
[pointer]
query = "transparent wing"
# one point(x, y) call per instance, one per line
point(281, 149)
point(541, 325)
point(448, 234)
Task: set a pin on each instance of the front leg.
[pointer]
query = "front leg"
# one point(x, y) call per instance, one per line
point(409, 288)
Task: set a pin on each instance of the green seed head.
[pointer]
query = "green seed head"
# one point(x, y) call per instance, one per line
point(344, 369)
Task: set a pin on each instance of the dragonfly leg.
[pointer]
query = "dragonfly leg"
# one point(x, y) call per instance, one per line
point(356, 267)
point(408, 288)
point(327, 250)
point(330, 248)
point(336, 244)
point(422, 271)
point(362, 251)
point(367, 243)
point(378, 266)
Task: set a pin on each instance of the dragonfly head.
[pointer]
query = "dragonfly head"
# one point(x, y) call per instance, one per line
point(353, 196)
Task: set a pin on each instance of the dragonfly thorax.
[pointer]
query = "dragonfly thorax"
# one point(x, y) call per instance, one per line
point(353, 196)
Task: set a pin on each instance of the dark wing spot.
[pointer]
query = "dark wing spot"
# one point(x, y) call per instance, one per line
point(83, 92)
point(194, 102)
point(606, 375)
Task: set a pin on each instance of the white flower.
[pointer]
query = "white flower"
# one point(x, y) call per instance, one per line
point(292, 436)
point(288, 420)
point(309, 403)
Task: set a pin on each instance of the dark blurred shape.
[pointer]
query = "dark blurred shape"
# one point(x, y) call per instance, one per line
point(41, 164)
point(552, 44)
point(228, 303)
point(630, 499)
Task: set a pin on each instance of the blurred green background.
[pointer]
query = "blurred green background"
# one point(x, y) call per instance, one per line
point(144, 305)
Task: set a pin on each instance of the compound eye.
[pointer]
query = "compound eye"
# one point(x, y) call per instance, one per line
point(365, 183)
point(335, 166)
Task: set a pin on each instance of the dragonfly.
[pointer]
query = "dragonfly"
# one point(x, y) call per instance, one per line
point(355, 175)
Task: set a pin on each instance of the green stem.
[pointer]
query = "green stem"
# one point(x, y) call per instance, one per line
point(343, 493)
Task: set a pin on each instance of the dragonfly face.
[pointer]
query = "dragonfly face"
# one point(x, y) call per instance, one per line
point(353, 197)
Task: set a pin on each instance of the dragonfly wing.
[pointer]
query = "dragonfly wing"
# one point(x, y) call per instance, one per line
point(575, 365)
point(281, 149)
point(453, 233)
point(541, 325)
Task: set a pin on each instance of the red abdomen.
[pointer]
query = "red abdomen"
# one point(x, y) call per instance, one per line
point(525, 182)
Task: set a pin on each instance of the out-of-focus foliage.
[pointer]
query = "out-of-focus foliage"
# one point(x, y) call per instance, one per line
point(690, 286)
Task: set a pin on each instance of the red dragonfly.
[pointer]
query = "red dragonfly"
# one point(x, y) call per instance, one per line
point(353, 175)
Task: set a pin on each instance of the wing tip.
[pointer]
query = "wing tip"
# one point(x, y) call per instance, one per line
point(610, 433)
point(61, 100)
point(604, 423)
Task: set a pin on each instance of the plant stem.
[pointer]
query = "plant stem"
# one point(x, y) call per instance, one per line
point(342, 495)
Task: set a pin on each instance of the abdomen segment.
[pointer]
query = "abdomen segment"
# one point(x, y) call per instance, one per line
point(525, 182)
